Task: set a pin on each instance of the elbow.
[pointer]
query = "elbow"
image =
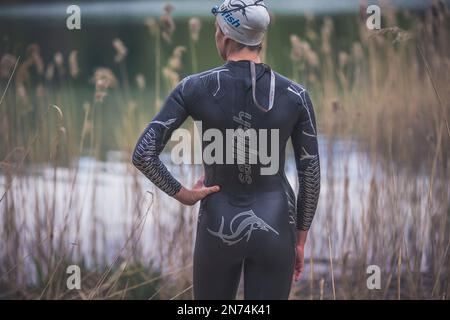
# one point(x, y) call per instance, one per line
point(138, 160)
point(144, 155)
point(135, 159)
point(144, 162)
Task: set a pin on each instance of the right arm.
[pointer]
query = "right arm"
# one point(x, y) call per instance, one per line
point(306, 151)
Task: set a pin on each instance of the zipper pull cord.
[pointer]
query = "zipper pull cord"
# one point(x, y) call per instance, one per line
point(271, 91)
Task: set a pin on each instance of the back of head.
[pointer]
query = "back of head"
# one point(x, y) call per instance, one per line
point(244, 21)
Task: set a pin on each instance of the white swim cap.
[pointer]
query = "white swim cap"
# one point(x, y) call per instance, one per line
point(244, 21)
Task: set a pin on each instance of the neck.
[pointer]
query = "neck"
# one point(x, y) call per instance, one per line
point(244, 54)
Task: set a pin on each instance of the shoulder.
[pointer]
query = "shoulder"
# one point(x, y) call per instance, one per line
point(195, 84)
point(298, 95)
point(295, 91)
point(198, 79)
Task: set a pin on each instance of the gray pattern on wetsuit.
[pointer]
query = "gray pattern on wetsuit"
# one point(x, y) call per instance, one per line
point(244, 229)
point(183, 83)
point(308, 163)
point(213, 76)
point(152, 141)
point(301, 92)
point(309, 189)
point(146, 159)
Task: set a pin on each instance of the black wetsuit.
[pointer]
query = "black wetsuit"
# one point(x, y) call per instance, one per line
point(251, 222)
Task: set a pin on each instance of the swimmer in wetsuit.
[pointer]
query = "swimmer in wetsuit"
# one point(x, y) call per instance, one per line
point(247, 220)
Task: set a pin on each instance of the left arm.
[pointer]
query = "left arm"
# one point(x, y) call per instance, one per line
point(154, 139)
point(152, 142)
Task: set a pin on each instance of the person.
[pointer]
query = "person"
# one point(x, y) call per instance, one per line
point(247, 221)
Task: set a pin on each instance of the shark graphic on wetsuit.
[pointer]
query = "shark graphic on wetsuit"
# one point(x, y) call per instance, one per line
point(251, 223)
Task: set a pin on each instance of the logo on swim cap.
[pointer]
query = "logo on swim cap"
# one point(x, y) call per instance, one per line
point(244, 21)
point(228, 16)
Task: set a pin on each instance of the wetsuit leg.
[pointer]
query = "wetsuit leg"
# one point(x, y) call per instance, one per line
point(216, 274)
point(269, 264)
point(217, 266)
point(268, 274)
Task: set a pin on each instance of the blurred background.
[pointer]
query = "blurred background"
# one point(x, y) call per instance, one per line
point(74, 102)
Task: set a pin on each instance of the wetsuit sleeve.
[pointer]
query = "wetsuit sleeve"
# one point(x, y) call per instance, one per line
point(304, 140)
point(155, 137)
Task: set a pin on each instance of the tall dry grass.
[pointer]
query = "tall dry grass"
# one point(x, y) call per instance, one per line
point(389, 205)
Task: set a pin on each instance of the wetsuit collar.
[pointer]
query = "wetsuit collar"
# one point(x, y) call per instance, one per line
point(251, 78)
point(244, 66)
point(242, 63)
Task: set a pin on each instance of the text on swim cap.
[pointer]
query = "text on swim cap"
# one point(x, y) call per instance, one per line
point(228, 16)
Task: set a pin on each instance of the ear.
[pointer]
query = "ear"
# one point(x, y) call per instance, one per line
point(227, 44)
